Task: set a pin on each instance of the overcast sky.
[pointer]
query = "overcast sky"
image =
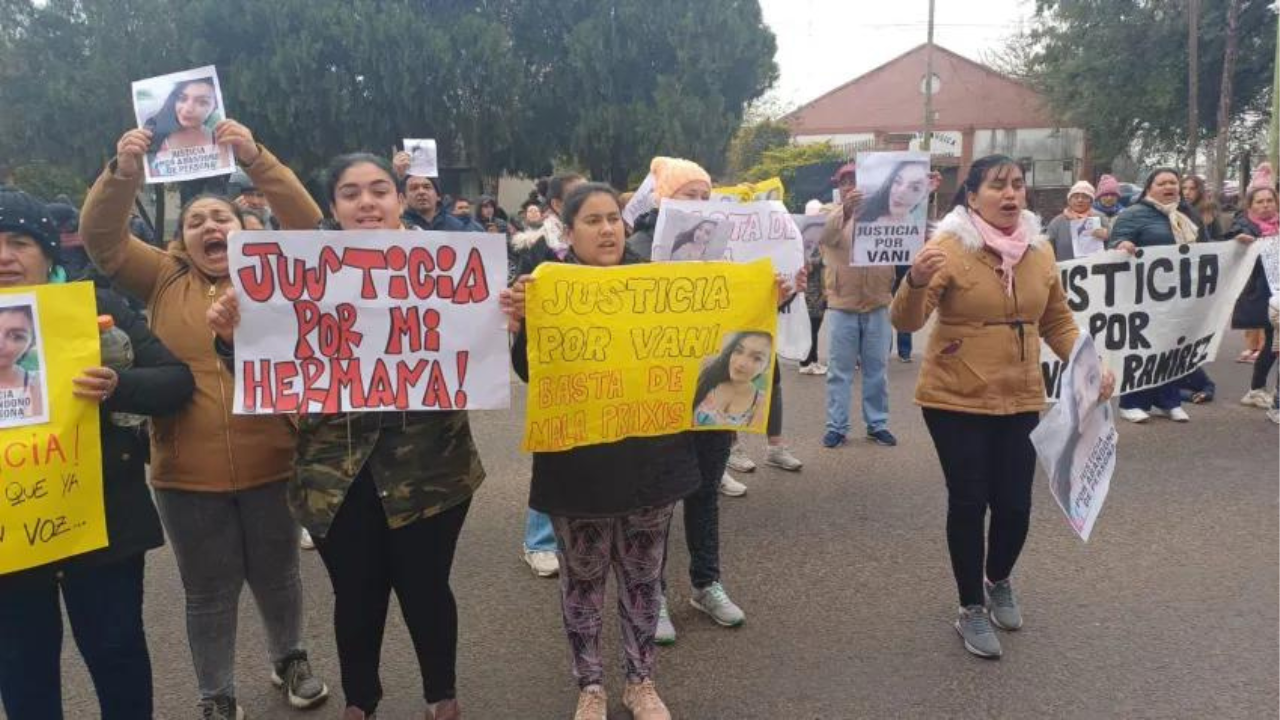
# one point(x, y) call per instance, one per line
point(823, 44)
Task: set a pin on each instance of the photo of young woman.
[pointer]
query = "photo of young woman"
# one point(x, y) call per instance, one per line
point(700, 242)
point(901, 197)
point(731, 387)
point(182, 142)
point(22, 386)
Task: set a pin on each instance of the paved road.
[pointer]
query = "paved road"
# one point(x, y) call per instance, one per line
point(1169, 612)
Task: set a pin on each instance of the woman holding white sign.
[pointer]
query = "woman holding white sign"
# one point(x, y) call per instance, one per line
point(383, 494)
point(1079, 229)
point(992, 279)
point(1260, 218)
point(219, 479)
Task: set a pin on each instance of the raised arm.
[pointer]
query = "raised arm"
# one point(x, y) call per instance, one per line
point(289, 200)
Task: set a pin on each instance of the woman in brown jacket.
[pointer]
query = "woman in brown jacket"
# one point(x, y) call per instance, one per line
point(219, 478)
point(993, 281)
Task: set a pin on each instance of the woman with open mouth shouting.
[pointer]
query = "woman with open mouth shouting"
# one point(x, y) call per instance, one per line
point(220, 478)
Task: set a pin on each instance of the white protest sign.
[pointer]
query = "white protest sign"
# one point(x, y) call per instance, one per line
point(1082, 239)
point(640, 203)
point(1156, 316)
point(378, 320)
point(890, 227)
point(740, 232)
point(181, 110)
point(422, 157)
point(1076, 442)
point(1269, 253)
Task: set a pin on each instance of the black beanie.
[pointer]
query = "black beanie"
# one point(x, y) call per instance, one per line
point(22, 213)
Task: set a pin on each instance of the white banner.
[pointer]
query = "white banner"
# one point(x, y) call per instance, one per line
point(890, 227)
point(740, 232)
point(1269, 251)
point(378, 320)
point(1076, 442)
point(1157, 316)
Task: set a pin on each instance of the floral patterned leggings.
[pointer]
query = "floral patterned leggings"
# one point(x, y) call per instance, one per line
point(634, 546)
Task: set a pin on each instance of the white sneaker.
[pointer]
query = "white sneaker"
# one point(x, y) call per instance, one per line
point(1257, 398)
point(1274, 416)
point(306, 542)
point(819, 369)
point(1177, 414)
point(738, 460)
point(730, 487)
point(543, 563)
point(1134, 415)
point(780, 457)
point(809, 369)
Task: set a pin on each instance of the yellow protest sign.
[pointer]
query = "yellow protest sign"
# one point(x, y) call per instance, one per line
point(648, 349)
point(50, 444)
point(770, 189)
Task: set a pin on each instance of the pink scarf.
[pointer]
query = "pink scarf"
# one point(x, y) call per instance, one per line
point(1268, 227)
point(1009, 246)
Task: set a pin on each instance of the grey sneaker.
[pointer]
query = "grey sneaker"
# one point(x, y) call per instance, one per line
point(975, 629)
point(666, 633)
point(780, 457)
point(738, 460)
point(1003, 606)
point(220, 708)
point(293, 676)
point(714, 601)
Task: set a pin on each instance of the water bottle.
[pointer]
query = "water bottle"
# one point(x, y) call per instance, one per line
point(117, 354)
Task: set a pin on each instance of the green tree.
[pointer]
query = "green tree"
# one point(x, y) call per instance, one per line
point(1118, 68)
point(751, 141)
point(782, 162)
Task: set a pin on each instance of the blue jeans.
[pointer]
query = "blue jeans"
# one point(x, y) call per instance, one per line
point(858, 339)
point(904, 345)
point(539, 536)
point(1165, 397)
point(104, 605)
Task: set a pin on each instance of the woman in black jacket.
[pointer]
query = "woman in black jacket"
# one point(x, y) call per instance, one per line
point(610, 504)
point(102, 590)
point(1259, 218)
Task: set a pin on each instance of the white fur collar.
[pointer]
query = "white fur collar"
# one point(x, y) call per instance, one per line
point(957, 223)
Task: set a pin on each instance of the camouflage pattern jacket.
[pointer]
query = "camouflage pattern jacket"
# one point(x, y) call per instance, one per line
point(422, 463)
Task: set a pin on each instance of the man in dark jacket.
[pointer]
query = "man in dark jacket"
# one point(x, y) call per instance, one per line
point(422, 206)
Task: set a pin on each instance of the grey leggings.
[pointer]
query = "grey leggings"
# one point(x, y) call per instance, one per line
point(221, 540)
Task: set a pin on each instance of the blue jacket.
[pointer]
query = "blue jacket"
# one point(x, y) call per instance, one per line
point(1145, 225)
point(442, 221)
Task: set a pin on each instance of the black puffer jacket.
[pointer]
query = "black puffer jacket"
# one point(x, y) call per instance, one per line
point(1251, 308)
point(610, 479)
point(158, 384)
point(641, 240)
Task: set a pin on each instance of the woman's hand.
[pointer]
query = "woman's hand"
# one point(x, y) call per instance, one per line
point(130, 149)
point(224, 315)
point(1108, 385)
point(512, 302)
point(1244, 238)
point(401, 162)
point(1128, 247)
point(927, 264)
point(240, 139)
point(96, 384)
point(1101, 234)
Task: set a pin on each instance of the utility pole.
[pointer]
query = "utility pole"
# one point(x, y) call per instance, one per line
point(1193, 85)
point(928, 87)
point(1275, 107)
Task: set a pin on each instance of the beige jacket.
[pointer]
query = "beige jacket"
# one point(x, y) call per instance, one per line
point(851, 288)
point(983, 356)
point(204, 447)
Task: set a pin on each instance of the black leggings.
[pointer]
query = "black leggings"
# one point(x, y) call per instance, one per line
point(1266, 360)
point(773, 423)
point(988, 461)
point(366, 560)
point(815, 324)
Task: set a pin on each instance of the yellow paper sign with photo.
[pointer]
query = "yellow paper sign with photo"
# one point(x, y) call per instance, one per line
point(50, 448)
point(648, 349)
point(770, 189)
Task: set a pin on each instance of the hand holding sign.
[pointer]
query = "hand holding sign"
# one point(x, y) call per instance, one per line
point(230, 132)
point(512, 301)
point(129, 151)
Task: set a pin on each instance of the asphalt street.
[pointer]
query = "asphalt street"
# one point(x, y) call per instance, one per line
point(1169, 611)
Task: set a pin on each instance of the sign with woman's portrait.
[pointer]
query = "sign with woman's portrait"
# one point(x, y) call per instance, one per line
point(423, 160)
point(23, 388)
point(181, 110)
point(892, 219)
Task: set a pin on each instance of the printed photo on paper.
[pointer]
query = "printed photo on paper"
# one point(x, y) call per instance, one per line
point(422, 158)
point(1083, 241)
point(695, 238)
point(181, 110)
point(733, 385)
point(23, 384)
point(891, 222)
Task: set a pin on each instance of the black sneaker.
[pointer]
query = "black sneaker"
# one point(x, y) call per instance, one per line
point(882, 437)
point(221, 707)
point(293, 675)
